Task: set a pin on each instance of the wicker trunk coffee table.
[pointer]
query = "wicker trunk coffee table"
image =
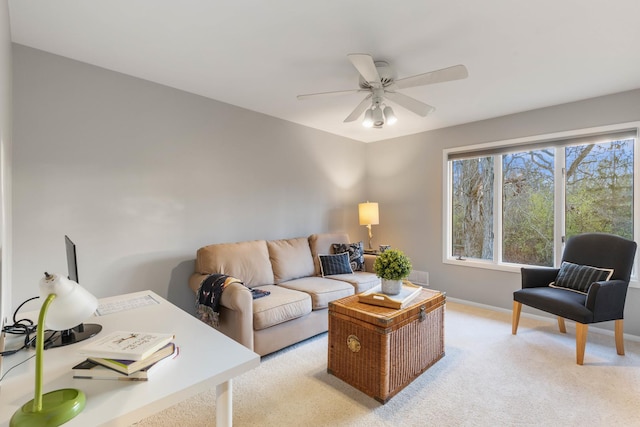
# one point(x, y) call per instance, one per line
point(380, 350)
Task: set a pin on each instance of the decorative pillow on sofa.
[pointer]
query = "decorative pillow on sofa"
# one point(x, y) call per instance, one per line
point(578, 278)
point(355, 251)
point(335, 264)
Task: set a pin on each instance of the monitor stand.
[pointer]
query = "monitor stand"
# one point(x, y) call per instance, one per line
point(71, 336)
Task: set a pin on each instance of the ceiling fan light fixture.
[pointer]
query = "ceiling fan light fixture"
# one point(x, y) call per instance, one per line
point(368, 119)
point(378, 118)
point(389, 117)
point(377, 78)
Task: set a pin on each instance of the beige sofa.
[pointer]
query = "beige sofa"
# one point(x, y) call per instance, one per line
point(289, 269)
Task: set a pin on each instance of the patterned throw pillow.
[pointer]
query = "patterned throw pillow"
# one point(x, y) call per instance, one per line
point(335, 264)
point(578, 278)
point(355, 251)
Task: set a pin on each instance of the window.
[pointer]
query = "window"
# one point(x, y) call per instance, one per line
point(516, 201)
point(472, 224)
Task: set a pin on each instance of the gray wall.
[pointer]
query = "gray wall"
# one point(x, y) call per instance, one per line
point(140, 176)
point(405, 177)
point(6, 120)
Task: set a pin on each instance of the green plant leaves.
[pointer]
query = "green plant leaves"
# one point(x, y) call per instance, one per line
point(392, 264)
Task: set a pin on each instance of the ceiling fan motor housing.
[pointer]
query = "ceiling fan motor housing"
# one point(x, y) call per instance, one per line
point(385, 72)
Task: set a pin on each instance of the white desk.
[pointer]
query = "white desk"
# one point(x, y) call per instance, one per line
point(207, 358)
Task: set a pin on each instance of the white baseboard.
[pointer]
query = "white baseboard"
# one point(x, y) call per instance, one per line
point(569, 323)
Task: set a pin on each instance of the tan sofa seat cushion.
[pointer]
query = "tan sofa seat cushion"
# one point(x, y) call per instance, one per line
point(360, 280)
point(320, 244)
point(290, 259)
point(321, 289)
point(280, 306)
point(247, 261)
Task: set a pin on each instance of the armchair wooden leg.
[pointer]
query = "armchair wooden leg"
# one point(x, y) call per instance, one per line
point(581, 341)
point(619, 333)
point(561, 325)
point(515, 317)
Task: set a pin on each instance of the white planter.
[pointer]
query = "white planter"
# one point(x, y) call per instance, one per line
point(391, 287)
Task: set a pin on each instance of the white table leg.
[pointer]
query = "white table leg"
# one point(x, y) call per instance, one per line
point(224, 400)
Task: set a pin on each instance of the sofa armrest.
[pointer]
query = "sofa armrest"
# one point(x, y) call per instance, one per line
point(236, 314)
point(368, 262)
point(236, 311)
point(538, 277)
point(606, 299)
point(237, 296)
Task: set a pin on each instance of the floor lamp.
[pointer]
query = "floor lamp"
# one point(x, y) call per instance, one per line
point(368, 215)
point(66, 304)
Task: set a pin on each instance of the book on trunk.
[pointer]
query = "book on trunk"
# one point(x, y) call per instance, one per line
point(89, 369)
point(126, 345)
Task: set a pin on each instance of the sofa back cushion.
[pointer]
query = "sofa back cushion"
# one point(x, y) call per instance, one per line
point(320, 244)
point(247, 261)
point(290, 259)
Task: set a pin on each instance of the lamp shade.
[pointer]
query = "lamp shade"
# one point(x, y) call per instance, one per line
point(368, 119)
point(389, 117)
point(368, 213)
point(73, 303)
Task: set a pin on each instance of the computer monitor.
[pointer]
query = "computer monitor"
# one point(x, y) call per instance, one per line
point(72, 262)
point(84, 330)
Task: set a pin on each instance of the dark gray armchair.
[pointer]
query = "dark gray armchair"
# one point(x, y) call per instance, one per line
point(602, 300)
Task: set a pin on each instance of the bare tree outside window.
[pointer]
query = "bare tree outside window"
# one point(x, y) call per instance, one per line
point(599, 188)
point(597, 185)
point(473, 208)
point(527, 207)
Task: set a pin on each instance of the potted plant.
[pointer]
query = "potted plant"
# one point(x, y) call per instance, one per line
point(392, 266)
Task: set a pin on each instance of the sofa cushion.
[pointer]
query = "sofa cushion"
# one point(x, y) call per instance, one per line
point(579, 278)
point(321, 244)
point(248, 261)
point(290, 259)
point(355, 251)
point(335, 264)
point(322, 290)
point(361, 281)
point(281, 305)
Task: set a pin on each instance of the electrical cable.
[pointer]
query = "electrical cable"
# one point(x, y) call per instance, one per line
point(15, 366)
point(24, 327)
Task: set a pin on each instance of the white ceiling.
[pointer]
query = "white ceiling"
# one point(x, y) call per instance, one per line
point(260, 54)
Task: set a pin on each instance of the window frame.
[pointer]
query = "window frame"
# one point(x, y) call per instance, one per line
point(559, 199)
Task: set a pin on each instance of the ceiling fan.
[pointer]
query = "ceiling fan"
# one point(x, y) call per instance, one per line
point(377, 78)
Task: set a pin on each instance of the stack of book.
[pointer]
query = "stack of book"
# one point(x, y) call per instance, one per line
point(125, 356)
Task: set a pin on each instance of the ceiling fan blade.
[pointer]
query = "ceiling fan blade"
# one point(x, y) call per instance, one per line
point(337, 92)
point(456, 72)
point(411, 104)
point(366, 67)
point(357, 112)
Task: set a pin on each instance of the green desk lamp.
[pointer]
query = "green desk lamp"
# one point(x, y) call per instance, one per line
point(68, 305)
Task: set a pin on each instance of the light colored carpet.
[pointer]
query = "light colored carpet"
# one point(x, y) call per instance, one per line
point(488, 377)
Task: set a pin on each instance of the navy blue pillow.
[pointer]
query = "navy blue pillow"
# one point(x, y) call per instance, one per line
point(335, 264)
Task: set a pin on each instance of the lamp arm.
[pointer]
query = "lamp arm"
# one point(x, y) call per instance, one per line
point(37, 398)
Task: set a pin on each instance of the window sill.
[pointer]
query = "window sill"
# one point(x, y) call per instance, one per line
point(508, 268)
